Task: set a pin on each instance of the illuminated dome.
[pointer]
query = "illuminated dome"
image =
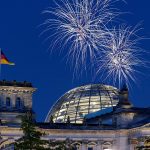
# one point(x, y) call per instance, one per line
point(81, 101)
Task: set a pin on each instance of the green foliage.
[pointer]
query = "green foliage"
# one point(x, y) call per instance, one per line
point(51, 120)
point(68, 119)
point(31, 139)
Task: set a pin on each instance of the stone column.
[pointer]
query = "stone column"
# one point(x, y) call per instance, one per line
point(13, 97)
point(83, 146)
point(131, 147)
point(99, 145)
point(114, 145)
point(123, 143)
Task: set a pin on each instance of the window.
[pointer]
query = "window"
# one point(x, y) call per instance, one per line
point(107, 146)
point(76, 147)
point(19, 103)
point(81, 114)
point(91, 146)
point(8, 102)
point(1, 103)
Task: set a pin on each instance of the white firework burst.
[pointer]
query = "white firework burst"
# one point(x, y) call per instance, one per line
point(122, 57)
point(80, 26)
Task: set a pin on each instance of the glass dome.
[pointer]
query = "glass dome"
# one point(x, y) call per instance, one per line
point(81, 101)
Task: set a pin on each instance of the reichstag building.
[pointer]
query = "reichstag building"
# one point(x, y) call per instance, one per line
point(101, 117)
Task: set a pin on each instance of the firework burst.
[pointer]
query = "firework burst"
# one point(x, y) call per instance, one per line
point(122, 56)
point(81, 24)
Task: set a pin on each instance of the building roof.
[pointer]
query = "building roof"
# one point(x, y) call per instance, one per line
point(112, 111)
point(84, 126)
point(15, 83)
point(74, 126)
point(135, 116)
point(99, 113)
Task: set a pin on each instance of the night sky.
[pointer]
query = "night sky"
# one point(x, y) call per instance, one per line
point(20, 41)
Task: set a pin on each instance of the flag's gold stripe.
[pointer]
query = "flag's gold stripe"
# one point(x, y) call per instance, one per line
point(4, 61)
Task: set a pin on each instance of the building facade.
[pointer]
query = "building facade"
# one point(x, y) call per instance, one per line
point(100, 117)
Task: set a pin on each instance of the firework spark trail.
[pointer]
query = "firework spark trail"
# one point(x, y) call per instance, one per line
point(81, 27)
point(122, 56)
point(81, 24)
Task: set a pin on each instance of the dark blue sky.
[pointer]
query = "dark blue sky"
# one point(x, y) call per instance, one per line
point(19, 39)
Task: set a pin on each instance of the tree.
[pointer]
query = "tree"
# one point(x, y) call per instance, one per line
point(68, 120)
point(31, 139)
point(51, 120)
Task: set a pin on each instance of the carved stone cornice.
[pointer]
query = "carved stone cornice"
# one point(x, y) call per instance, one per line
point(5, 130)
point(17, 89)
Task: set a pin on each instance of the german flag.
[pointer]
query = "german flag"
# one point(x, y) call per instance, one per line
point(4, 60)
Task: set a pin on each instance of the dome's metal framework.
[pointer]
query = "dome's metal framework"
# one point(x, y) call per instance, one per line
point(81, 101)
